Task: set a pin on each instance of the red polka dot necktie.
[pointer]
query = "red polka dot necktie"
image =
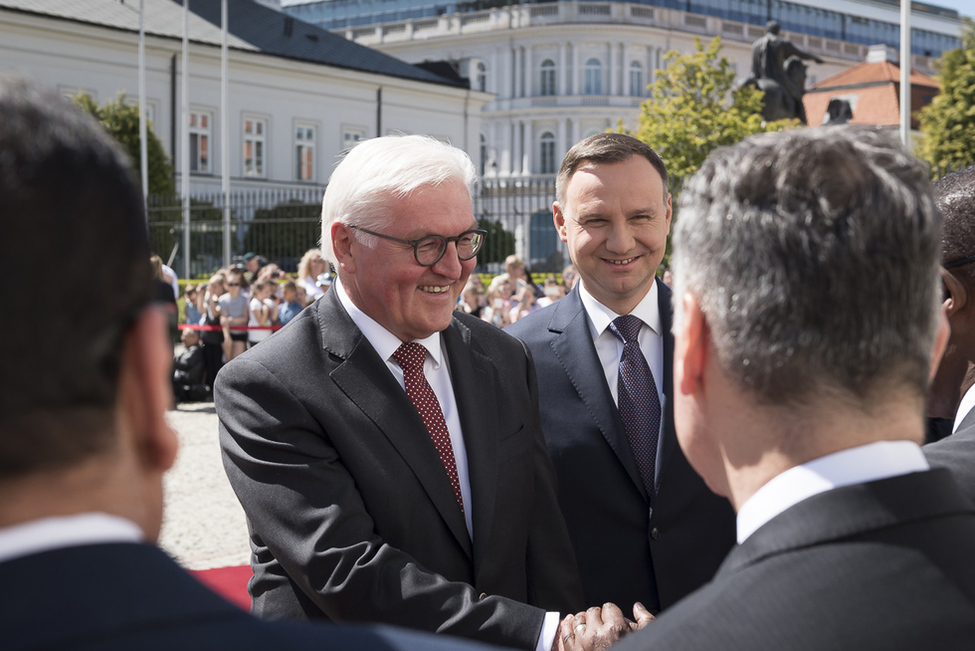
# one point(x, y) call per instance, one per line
point(410, 357)
point(639, 403)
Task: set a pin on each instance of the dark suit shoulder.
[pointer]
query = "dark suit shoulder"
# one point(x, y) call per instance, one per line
point(957, 454)
point(850, 556)
point(136, 597)
point(483, 335)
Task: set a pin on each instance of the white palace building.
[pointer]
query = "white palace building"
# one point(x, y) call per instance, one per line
point(561, 70)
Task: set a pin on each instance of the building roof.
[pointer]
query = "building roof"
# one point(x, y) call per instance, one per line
point(868, 73)
point(252, 27)
point(872, 90)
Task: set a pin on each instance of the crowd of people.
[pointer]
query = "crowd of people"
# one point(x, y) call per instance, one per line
point(736, 461)
point(237, 308)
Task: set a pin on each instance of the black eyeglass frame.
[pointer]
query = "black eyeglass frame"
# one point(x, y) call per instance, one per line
point(446, 240)
point(958, 263)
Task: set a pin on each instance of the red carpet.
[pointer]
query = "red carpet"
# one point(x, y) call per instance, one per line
point(229, 582)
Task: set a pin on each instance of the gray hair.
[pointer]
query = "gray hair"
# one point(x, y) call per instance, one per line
point(814, 255)
point(376, 173)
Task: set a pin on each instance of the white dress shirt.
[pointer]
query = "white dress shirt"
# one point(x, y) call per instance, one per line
point(609, 347)
point(965, 406)
point(437, 371)
point(46, 534)
point(857, 465)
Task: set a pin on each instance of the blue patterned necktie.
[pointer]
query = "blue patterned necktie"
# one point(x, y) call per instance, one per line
point(639, 403)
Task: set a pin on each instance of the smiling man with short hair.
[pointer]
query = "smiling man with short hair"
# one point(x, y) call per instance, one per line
point(386, 448)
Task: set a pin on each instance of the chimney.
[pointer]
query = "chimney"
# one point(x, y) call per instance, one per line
point(881, 53)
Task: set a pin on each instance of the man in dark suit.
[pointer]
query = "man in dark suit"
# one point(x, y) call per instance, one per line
point(807, 322)
point(84, 442)
point(951, 399)
point(386, 449)
point(638, 538)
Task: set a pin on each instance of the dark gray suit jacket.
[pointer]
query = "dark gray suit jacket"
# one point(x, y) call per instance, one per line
point(625, 554)
point(125, 596)
point(882, 565)
point(350, 511)
point(957, 454)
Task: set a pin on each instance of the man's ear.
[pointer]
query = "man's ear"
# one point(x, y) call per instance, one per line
point(955, 293)
point(559, 219)
point(940, 342)
point(690, 347)
point(342, 240)
point(145, 390)
point(670, 211)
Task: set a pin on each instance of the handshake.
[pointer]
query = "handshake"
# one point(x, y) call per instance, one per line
point(598, 628)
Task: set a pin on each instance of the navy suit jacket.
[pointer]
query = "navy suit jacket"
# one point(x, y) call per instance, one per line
point(957, 454)
point(881, 565)
point(625, 553)
point(350, 512)
point(127, 596)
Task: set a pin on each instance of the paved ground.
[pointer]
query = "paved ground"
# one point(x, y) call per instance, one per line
point(203, 525)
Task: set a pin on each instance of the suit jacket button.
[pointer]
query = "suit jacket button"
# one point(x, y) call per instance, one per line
point(655, 533)
point(482, 596)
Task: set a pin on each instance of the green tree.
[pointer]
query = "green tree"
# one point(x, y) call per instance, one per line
point(121, 120)
point(499, 242)
point(948, 122)
point(695, 108)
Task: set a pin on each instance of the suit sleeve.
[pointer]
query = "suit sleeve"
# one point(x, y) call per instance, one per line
point(303, 504)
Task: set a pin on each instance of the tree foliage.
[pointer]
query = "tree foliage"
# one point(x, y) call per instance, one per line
point(948, 122)
point(121, 120)
point(499, 242)
point(695, 108)
point(283, 233)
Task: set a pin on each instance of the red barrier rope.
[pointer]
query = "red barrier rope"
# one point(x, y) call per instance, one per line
point(215, 328)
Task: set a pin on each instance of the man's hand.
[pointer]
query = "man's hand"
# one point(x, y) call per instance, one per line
point(599, 628)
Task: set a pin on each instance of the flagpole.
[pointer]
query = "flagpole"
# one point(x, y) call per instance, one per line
point(143, 144)
point(905, 99)
point(224, 134)
point(185, 140)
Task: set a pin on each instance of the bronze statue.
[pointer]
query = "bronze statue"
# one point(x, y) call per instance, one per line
point(777, 69)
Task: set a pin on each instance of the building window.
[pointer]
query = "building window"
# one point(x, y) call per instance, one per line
point(547, 78)
point(480, 77)
point(255, 133)
point(305, 152)
point(200, 134)
point(351, 136)
point(637, 87)
point(547, 150)
point(594, 78)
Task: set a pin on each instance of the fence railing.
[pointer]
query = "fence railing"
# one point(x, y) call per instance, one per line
point(282, 224)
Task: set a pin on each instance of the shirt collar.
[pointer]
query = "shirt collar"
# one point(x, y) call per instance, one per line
point(965, 406)
point(853, 466)
point(46, 534)
point(601, 316)
point(382, 340)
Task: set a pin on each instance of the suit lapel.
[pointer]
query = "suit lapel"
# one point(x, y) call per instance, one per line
point(669, 441)
point(364, 377)
point(474, 382)
point(574, 348)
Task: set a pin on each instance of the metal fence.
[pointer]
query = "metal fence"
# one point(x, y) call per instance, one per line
point(281, 225)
